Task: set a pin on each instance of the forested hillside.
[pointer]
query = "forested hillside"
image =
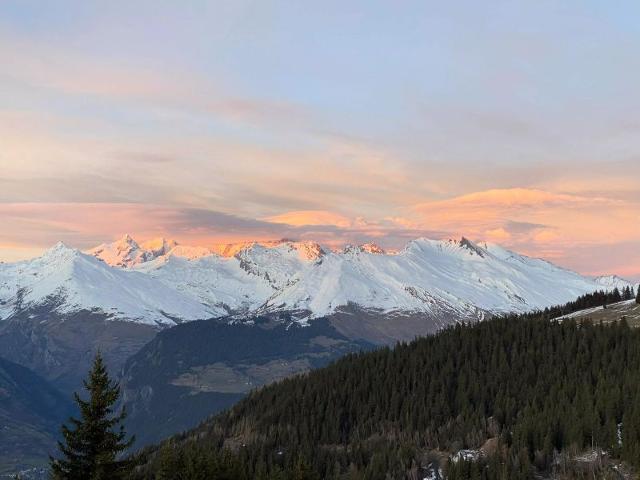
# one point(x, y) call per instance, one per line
point(516, 391)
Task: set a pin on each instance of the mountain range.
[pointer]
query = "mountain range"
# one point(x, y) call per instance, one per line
point(162, 283)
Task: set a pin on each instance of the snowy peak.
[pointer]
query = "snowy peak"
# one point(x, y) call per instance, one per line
point(308, 251)
point(612, 281)
point(462, 248)
point(124, 252)
point(60, 251)
point(125, 244)
point(127, 253)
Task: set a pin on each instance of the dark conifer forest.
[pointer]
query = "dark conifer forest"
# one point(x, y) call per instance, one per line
point(522, 390)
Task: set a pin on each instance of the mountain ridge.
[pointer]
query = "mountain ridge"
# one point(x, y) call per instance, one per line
point(162, 283)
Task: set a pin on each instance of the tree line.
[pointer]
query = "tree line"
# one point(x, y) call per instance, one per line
point(600, 298)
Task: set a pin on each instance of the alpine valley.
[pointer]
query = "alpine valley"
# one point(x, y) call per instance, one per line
point(191, 330)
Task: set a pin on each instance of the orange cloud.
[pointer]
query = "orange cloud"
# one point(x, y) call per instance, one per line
point(311, 217)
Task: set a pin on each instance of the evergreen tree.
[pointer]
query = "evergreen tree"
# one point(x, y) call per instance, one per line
point(638, 296)
point(616, 295)
point(93, 442)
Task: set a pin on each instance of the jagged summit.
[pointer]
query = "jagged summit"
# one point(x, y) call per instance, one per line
point(124, 252)
point(306, 250)
point(472, 247)
point(126, 242)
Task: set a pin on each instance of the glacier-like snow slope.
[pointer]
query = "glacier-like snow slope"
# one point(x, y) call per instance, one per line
point(161, 281)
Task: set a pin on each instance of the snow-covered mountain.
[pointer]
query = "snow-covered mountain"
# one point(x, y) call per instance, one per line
point(66, 280)
point(161, 282)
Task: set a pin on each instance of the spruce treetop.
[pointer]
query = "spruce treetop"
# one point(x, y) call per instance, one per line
point(92, 443)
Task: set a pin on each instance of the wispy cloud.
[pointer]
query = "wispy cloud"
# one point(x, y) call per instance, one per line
point(234, 122)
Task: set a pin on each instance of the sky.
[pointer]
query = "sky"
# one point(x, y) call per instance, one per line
point(516, 123)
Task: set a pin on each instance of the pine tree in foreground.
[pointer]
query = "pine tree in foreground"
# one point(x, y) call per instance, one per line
point(92, 443)
point(638, 296)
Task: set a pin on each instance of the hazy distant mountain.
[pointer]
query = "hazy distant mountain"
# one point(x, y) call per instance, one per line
point(31, 411)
